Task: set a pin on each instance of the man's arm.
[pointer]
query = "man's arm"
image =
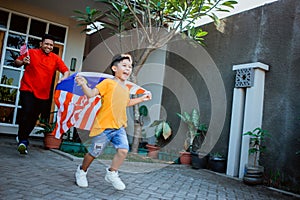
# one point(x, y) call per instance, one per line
point(25, 61)
point(66, 75)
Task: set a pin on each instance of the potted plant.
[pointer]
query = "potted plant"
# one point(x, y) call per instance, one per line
point(72, 143)
point(199, 158)
point(254, 172)
point(217, 162)
point(7, 96)
point(194, 128)
point(50, 142)
point(162, 133)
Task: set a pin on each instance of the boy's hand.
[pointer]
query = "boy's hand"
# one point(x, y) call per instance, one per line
point(80, 80)
point(147, 96)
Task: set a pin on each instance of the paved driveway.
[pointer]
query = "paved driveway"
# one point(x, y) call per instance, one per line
point(45, 174)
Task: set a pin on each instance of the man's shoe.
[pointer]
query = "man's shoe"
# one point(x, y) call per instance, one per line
point(22, 148)
point(80, 176)
point(113, 178)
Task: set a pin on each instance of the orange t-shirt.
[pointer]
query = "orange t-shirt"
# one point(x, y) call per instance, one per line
point(39, 72)
point(112, 114)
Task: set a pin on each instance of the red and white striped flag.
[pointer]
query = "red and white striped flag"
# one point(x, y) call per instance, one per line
point(24, 49)
point(74, 108)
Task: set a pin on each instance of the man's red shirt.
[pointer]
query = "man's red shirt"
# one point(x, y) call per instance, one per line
point(38, 74)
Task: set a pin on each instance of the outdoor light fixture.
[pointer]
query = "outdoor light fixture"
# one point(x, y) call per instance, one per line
point(73, 64)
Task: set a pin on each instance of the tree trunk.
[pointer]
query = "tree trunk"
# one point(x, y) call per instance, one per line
point(137, 123)
point(137, 128)
point(136, 138)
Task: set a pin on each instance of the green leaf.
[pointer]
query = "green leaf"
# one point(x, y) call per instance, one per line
point(195, 118)
point(158, 130)
point(88, 10)
point(201, 33)
point(156, 122)
point(186, 116)
point(162, 129)
point(143, 110)
point(229, 4)
point(166, 130)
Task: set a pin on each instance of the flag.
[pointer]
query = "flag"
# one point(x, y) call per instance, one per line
point(76, 109)
point(24, 49)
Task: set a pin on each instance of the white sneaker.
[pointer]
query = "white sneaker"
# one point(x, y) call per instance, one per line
point(113, 178)
point(80, 176)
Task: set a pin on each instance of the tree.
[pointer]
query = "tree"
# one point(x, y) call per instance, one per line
point(156, 22)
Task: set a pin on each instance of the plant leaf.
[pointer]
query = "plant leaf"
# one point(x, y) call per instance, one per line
point(166, 130)
point(143, 110)
point(195, 118)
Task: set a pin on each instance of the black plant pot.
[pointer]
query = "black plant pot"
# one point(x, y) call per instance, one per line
point(199, 161)
point(217, 164)
point(253, 175)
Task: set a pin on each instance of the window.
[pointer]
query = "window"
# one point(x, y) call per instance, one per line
point(3, 19)
point(33, 43)
point(15, 41)
point(18, 23)
point(37, 28)
point(58, 32)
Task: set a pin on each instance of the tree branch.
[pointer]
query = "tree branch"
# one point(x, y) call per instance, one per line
point(137, 19)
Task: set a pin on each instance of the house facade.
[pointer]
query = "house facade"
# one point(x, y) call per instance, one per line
point(27, 21)
point(268, 34)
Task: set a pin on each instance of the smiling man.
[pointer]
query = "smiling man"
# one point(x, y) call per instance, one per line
point(40, 66)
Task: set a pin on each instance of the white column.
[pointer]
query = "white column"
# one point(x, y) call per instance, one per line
point(236, 126)
point(247, 111)
point(253, 108)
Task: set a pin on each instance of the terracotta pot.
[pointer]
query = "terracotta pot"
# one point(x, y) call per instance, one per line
point(152, 151)
point(185, 158)
point(50, 142)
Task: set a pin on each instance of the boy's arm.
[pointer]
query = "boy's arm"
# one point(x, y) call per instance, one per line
point(146, 97)
point(85, 88)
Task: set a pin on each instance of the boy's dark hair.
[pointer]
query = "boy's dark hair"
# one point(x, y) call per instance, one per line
point(48, 36)
point(116, 60)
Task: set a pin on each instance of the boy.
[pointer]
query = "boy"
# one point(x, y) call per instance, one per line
point(110, 121)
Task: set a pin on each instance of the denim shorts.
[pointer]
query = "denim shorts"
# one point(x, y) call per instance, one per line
point(117, 137)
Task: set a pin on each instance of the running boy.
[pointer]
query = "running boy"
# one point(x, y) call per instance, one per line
point(110, 121)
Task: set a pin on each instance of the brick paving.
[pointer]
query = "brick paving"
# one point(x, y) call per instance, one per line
point(47, 174)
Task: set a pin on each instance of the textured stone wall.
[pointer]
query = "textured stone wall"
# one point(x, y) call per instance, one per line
point(269, 34)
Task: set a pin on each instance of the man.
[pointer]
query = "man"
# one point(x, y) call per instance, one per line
point(40, 66)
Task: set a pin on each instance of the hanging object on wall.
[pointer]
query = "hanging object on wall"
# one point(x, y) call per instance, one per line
point(73, 64)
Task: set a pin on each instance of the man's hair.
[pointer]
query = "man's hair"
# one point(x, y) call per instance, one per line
point(48, 36)
point(117, 59)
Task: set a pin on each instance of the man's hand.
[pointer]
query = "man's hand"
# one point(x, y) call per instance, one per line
point(26, 60)
point(66, 75)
